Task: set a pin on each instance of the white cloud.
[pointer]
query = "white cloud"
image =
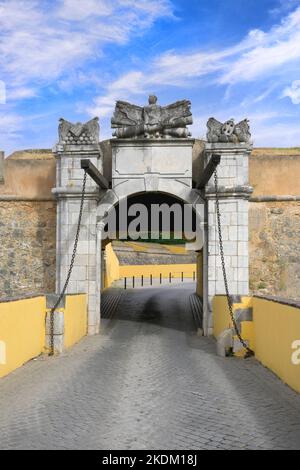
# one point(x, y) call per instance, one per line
point(21, 93)
point(276, 135)
point(284, 6)
point(10, 128)
point(293, 92)
point(80, 10)
point(41, 41)
point(260, 54)
point(278, 47)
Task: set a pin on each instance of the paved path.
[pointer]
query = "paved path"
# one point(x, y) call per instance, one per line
point(147, 383)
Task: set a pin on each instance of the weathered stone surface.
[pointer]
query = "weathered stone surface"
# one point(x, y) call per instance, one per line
point(228, 132)
point(274, 248)
point(153, 120)
point(27, 255)
point(79, 134)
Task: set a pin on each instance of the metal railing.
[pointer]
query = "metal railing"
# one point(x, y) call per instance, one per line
point(177, 277)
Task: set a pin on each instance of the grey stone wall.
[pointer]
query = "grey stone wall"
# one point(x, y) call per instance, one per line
point(27, 248)
point(274, 229)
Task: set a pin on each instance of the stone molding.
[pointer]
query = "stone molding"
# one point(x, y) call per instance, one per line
point(75, 192)
point(228, 148)
point(12, 198)
point(274, 198)
point(237, 191)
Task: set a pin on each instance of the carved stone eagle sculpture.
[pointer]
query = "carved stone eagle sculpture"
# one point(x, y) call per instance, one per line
point(152, 121)
point(228, 132)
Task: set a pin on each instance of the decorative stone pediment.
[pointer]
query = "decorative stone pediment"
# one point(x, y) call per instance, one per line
point(79, 134)
point(228, 132)
point(153, 120)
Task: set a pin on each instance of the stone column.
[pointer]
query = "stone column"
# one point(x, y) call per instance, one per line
point(99, 284)
point(77, 142)
point(234, 194)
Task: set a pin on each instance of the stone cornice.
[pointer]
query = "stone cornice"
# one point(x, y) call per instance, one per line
point(228, 148)
point(235, 191)
point(14, 198)
point(75, 192)
point(274, 198)
point(71, 151)
point(152, 142)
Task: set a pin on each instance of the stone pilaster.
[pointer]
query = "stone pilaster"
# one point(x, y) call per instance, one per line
point(68, 193)
point(234, 194)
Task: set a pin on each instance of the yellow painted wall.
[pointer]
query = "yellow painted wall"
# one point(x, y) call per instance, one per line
point(75, 314)
point(115, 271)
point(23, 328)
point(221, 317)
point(112, 266)
point(276, 327)
point(22, 332)
point(156, 270)
point(271, 334)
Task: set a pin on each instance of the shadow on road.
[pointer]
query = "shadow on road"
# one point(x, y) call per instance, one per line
point(163, 307)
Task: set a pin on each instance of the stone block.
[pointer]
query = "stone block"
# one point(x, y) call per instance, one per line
point(233, 233)
point(83, 248)
point(243, 274)
point(230, 248)
point(59, 323)
point(92, 287)
point(79, 273)
point(225, 343)
point(82, 287)
point(228, 207)
point(58, 342)
point(243, 233)
point(242, 248)
point(242, 218)
point(243, 288)
point(243, 261)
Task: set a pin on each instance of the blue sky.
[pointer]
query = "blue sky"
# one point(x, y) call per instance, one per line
point(75, 58)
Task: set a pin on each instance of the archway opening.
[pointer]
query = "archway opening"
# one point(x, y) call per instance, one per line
point(154, 244)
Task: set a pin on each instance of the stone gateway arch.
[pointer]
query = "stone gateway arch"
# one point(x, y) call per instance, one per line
point(152, 151)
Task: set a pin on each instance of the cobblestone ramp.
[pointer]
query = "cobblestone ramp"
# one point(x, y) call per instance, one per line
point(147, 382)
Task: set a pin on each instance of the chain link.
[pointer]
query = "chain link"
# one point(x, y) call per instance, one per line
point(52, 311)
point(249, 351)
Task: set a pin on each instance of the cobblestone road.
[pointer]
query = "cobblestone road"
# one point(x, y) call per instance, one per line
point(147, 382)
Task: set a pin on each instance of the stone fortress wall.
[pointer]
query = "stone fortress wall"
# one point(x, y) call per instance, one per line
point(28, 220)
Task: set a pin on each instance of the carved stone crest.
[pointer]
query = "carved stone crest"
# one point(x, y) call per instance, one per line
point(79, 134)
point(228, 132)
point(152, 121)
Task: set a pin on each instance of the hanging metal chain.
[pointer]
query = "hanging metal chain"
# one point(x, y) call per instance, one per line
point(249, 352)
point(52, 311)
